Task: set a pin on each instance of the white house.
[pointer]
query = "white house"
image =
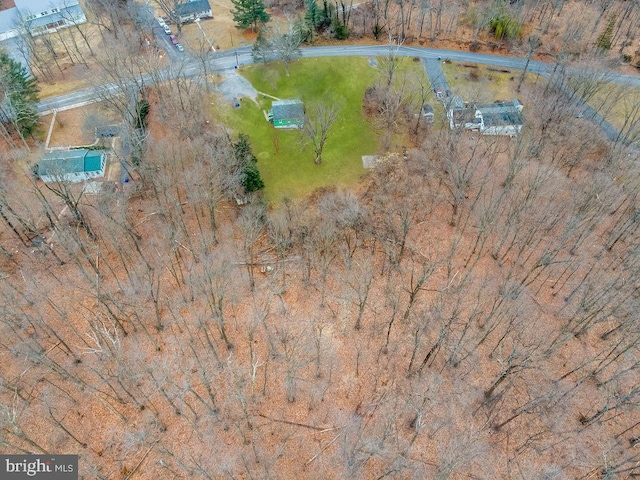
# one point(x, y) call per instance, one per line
point(193, 9)
point(8, 24)
point(503, 118)
point(40, 16)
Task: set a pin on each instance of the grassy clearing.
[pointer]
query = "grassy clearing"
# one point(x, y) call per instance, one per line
point(286, 164)
point(619, 105)
point(483, 83)
point(60, 88)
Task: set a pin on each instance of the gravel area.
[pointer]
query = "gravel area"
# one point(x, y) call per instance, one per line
point(235, 86)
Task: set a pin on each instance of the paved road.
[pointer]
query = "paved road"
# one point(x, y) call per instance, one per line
point(186, 66)
point(220, 61)
point(431, 53)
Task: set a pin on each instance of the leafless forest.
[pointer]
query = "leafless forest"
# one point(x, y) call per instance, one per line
point(470, 311)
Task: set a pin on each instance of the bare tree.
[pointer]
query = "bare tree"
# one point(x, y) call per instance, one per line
point(319, 119)
point(274, 43)
point(533, 43)
point(252, 223)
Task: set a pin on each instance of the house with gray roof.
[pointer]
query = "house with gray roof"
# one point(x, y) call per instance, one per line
point(504, 118)
point(287, 113)
point(192, 10)
point(501, 118)
point(72, 165)
point(8, 24)
point(40, 16)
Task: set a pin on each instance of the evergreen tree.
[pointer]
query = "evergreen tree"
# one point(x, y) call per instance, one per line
point(251, 180)
point(313, 19)
point(142, 112)
point(340, 31)
point(242, 150)
point(261, 48)
point(249, 13)
point(605, 39)
point(505, 27)
point(18, 96)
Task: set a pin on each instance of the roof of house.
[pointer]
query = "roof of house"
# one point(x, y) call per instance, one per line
point(8, 19)
point(71, 161)
point(292, 109)
point(463, 115)
point(499, 106)
point(503, 113)
point(426, 108)
point(497, 119)
point(37, 6)
point(194, 6)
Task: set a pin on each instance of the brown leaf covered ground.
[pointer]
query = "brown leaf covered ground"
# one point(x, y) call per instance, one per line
point(469, 312)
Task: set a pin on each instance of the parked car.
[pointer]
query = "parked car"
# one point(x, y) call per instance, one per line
point(161, 22)
point(173, 39)
point(167, 30)
point(180, 47)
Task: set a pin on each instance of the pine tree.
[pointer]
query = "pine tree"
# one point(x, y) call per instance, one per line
point(261, 48)
point(605, 39)
point(313, 18)
point(251, 180)
point(19, 94)
point(242, 150)
point(248, 13)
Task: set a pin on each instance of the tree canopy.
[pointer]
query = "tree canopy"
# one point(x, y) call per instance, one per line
point(19, 96)
point(249, 13)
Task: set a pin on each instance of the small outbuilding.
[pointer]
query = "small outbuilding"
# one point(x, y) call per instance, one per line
point(287, 113)
point(427, 113)
point(72, 165)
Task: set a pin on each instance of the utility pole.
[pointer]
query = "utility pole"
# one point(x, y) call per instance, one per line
point(197, 20)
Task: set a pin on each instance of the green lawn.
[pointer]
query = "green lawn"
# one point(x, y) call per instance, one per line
point(483, 83)
point(286, 166)
point(619, 105)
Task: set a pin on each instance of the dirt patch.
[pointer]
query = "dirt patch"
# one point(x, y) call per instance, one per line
point(219, 31)
point(76, 127)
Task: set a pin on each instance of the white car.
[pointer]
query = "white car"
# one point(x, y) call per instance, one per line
point(167, 30)
point(179, 47)
point(161, 21)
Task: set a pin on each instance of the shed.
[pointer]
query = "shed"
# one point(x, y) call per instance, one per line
point(427, 113)
point(72, 165)
point(287, 113)
point(193, 9)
